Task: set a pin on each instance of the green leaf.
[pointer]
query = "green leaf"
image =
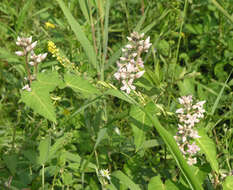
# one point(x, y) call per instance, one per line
point(119, 94)
point(193, 182)
point(48, 81)
point(23, 14)
point(151, 143)
point(80, 35)
point(79, 84)
point(83, 6)
point(168, 139)
point(220, 95)
point(138, 124)
point(102, 134)
point(44, 148)
point(56, 146)
point(11, 162)
point(124, 179)
point(39, 101)
point(77, 159)
point(208, 147)
point(156, 183)
point(228, 183)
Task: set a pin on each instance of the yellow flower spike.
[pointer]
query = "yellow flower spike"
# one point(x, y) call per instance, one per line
point(52, 48)
point(60, 58)
point(49, 25)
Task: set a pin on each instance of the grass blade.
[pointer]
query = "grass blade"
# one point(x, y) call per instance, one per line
point(219, 7)
point(220, 95)
point(80, 35)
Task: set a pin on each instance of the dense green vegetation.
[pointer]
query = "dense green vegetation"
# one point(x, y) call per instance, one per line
point(67, 122)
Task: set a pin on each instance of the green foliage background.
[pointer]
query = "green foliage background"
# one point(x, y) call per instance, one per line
point(63, 132)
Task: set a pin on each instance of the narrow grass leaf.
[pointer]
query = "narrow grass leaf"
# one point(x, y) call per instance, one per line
point(220, 95)
point(23, 15)
point(83, 6)
point(124, 179)
point(80, 35)
point(220, 8)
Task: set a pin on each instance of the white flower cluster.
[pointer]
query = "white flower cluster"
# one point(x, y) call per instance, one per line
point(131, 65)
point(105, 173)
point(188, 116)
point(28, 47)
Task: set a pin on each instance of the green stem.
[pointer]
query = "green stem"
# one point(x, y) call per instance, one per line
point(219, 7)
point(180, 36)
point(43, 176)
point(28, 70)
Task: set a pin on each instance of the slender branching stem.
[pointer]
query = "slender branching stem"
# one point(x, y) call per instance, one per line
point(28, 70)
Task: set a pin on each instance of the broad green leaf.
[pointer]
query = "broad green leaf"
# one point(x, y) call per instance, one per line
point(11, 162)
point(124, 179)
point(44, 148)
point(186, 87)
point(156, 183)
point(48, 81)
point(31, 155)
point(102, 134)
point(39, 98)
point(67, 178)
point(138, 124)
point(170, 185)
point(228, 183)
point(40, 101)
point(208, 147)
point(80, 35)
point(79, 84)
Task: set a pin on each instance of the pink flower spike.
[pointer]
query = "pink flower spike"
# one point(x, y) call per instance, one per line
point(139, 74)
point(19, 53)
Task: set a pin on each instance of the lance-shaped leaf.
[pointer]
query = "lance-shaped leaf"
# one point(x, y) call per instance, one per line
point(208, 147)
point(124, 179)
point(80, 35)
point(79, 84)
